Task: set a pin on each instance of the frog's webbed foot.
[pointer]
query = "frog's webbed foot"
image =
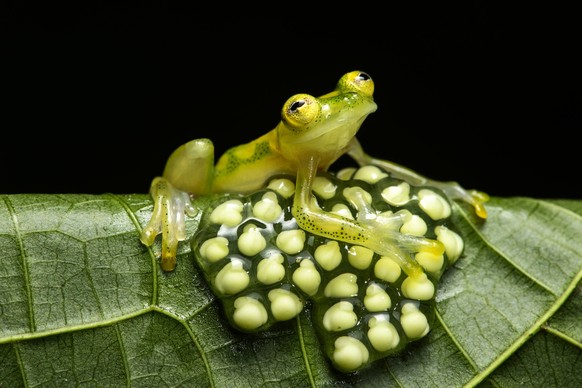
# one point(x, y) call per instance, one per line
point(168, 218)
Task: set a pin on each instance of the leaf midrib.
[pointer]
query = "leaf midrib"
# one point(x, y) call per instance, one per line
point(502, 357)
point(538, 324)
point(505, 257)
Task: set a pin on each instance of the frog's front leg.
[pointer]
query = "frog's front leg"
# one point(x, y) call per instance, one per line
point(377, 233)
point(189, 170)
point(452, 189)
point(170, 205)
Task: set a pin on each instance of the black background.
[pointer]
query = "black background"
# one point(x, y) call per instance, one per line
point(96, 97)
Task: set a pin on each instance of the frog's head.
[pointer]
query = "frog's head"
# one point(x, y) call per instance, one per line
point(325, 125)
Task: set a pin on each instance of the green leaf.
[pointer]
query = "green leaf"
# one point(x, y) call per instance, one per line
point(83, 302)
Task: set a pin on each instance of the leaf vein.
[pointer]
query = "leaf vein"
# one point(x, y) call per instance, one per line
point(25, 269)
point(537, 325)
point(92, 283)
point(123, 354)
point(133, 218)
point(562, 335)
point(503, 255)
point(195, 340)
point(20, 363)
point(453, 338)
point(308, 367)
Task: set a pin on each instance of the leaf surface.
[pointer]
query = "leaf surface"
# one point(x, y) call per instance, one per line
point(82, 301)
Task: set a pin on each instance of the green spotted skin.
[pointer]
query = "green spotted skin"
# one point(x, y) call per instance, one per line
point(231, 161)
point(265, 270)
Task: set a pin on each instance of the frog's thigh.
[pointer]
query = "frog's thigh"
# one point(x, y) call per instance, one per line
point(190, 168)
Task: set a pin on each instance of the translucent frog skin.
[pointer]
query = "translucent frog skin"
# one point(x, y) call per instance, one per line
point(312, 134)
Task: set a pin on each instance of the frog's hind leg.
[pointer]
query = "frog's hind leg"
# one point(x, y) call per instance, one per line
point(452, 189)
point(378, 233)
point(388, 224)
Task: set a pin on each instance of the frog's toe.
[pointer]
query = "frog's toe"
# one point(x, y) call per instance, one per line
point(478, 201)
point(173, 231)
point(154, 226)
point(168, 258)
point(148, 235)
point(472, 197)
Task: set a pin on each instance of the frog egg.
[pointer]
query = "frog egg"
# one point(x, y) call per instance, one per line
point(387, 269)
point(357, 196)
point(370, 174)
point(429, 261)
point(232, 278)
point(342, 210)
point(282, 186)
point(452, 241)
point(376, 298)
point(324, 187)
point(284, 304)
point(413, 224)
point(291, 241)
point(342, 286)
point(271, 270)
point(360, 257)
point(228, 213)
point(349, 353)
point(346, 173)
point(214, 249)
point(382, 334)
point(340, 317)
point(419, 287)
point(249, 313)
point(433, 204)
point(251, 241)
point(306, 277)
point(413, 321)
point(328, 255)
point(268, 208)
point(397, 195)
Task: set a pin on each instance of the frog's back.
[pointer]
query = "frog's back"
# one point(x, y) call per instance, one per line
point(247, 167)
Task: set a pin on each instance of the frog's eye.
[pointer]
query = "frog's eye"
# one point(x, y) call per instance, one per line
point(357, 81)
point(300, 110)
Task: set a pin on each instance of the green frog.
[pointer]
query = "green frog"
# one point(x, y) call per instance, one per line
point(312, 134)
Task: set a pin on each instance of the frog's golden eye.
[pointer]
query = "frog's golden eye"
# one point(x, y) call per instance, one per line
point(357, 81)
point(300, 110)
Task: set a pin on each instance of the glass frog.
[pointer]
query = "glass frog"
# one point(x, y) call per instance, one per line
point(312, 134)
